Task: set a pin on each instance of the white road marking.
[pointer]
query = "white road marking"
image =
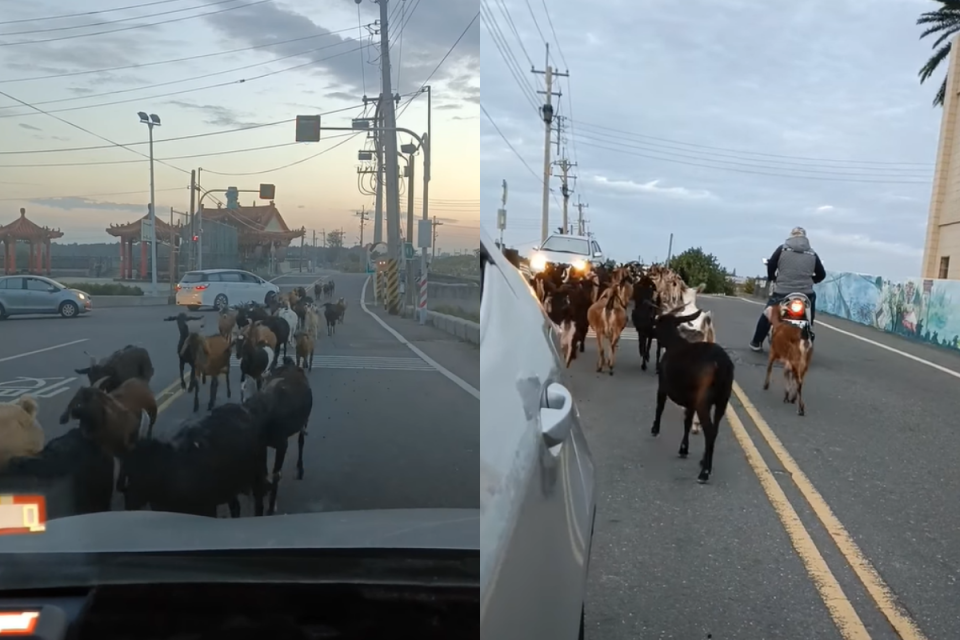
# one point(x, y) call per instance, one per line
point(36, 387)
point(454, 378)
point(908, 356)
point(56, 346)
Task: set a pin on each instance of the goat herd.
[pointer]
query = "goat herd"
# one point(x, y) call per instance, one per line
point(694, 372)
point(209, 460)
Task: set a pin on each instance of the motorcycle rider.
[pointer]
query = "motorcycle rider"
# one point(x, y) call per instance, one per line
point(795, 268)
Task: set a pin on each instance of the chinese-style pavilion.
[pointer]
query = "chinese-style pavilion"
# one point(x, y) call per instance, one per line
point(23, 229)
point(129, 234)
point(261, 229)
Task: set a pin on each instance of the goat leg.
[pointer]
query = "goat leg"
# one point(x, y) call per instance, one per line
point(661, 403)
point(688, 415)
point(801, 408)
point(710, 430)
point(766, 380)
point(301, 440)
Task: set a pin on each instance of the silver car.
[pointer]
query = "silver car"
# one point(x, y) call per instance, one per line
point(537, 486)
point(29, 295)
point(559, 248)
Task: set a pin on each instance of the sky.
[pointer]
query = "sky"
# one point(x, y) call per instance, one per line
point(318, 60)
point(724, 122)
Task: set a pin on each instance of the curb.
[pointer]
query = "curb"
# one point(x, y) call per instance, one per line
point(114, 302)
point(466, 330)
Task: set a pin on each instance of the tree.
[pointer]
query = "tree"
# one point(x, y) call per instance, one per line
point(945, 22)
point(334, 244)
point(697, 267)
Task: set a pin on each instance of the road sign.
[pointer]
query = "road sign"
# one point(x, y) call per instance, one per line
point(408, 251)
point(36, 387)
point(267, 191)
point(308, 129)
point(146, 230)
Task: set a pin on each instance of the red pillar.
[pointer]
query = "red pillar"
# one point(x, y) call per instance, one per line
point(123, 263)
point(6, 256)
point(39, 263)
point(143, 260)
point(129, 245)
point(32, 259)
point(13, 256)
point(49, 260)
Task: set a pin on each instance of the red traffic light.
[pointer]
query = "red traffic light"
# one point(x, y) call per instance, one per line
point(196, 238)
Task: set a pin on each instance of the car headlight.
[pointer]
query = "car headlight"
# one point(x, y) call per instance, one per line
point(579, 265)
point(81, 296)
point(538, 263)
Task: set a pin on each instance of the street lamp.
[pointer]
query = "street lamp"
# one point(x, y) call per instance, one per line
point(153, 120)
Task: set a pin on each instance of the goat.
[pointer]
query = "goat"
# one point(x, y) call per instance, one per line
point(20, 433)
point(331, 313)
point(250, 314)
point(292, 321)
point(311, 322)
point(73, 473)
point(227, 321)
point(644, 314)
point(280, 329)
point(186, 356)
point(696, 376)
point(114, 419)
point(559, 309)
point(792, 346)
point(283, 408)
point(121, 365)
point(342, 309)
point(208, 462)
point(608, 317)
point(317, 290)
point(213, 359)
point(305, 346)
point(255, 357)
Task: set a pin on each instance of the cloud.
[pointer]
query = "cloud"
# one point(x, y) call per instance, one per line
point(217, 115)
point(864, 243)
point(24, 125)
point(650, 188)
point(72, 204)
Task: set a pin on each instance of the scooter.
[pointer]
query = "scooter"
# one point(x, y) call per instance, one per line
point(795, 310)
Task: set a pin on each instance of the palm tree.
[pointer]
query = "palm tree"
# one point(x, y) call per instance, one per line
point(945, 21)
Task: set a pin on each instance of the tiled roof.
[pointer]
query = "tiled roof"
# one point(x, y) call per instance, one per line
point(25, 229)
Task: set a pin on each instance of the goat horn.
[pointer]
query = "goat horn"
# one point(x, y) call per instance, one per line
point(98, 383)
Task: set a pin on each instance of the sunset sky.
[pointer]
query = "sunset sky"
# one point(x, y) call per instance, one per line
point(225, 79)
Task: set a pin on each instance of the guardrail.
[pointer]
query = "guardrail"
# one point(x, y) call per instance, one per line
point(921, 309)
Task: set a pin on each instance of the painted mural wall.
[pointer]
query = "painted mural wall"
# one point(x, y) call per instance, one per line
point(916, 308)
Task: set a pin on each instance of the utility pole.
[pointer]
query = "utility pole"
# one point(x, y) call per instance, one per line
point(565, 167)
point(363, 218)
point(378, 168)
point(192, 257)
point(546, 111)
point(313, 253)
point(434, 247)
point(301, 252)
point(580, 207)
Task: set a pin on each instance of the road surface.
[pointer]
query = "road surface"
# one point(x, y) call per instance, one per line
point(388, 429)
point(868, 472)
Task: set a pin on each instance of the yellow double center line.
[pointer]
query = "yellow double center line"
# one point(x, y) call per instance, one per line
point(844, 615)
point(166, 397)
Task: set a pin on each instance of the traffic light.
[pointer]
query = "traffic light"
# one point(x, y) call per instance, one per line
point(267, 191)
point(196, 238)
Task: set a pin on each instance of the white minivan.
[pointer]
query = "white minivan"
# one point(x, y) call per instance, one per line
point(221, 288)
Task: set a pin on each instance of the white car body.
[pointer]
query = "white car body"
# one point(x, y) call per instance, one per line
point(577, 251)
point(537, 479)
point(219, 288)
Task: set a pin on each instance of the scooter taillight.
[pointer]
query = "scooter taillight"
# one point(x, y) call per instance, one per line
point(796, 308)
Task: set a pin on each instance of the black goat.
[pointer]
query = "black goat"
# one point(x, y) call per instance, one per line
point(186, 356)
point(331, 313)
point(208, 462)
point(560, 310)
point(283, 409)
point(644, 315)
point(251, 313)
point(73, 472)
point(696, 376)
point(118, 367)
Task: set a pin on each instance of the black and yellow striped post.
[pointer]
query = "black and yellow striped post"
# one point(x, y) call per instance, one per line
point(393, 287)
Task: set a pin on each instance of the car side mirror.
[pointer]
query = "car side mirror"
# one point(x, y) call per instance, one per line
point(53, 290)
point(597, 254)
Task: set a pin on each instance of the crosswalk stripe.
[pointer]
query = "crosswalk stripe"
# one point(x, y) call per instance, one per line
point(629, 333)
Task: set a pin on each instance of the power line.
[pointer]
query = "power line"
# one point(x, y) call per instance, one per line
point(440, 64)
point(178, 138)
point(177, 93)
point(136, 26)
point(349, 137)
point(506, 53)
point(760, 173)
point(100, 24)
point(556, 40)
point(182, 80)
point(88, 13)
point(622, 132)
point(113, 162)
point(174, 60)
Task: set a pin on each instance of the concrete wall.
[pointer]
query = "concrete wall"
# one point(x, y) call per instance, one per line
point(454, 299)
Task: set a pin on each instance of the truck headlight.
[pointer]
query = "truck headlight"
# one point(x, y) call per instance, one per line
point(538, 263)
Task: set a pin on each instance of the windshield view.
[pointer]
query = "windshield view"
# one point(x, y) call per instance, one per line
point(263, 219)
point(565, 244)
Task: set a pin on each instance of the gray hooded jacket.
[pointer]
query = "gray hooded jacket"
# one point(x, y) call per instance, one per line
point(796, 264)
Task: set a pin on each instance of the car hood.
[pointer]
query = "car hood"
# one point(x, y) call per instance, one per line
point(154, 531)
point(559, 257)
point(72, 290)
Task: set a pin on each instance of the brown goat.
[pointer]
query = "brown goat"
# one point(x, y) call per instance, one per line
point(113, 419)
point(608, 317)
point(305, 347)
point(259, 334)
point(227, 321)
point(789, 345)
point(213, 359)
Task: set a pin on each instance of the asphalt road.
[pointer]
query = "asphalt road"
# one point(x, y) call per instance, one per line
point(388, 430)
point(868, 471)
